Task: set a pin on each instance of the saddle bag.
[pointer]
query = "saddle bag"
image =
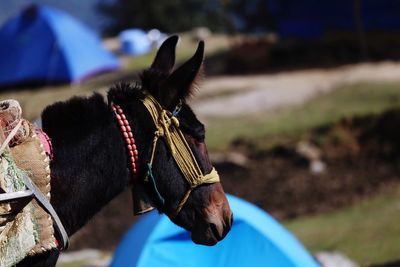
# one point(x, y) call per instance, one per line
point(25, 228)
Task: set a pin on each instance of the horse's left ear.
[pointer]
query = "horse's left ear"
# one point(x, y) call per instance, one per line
point(165, 58)
point(182, 82)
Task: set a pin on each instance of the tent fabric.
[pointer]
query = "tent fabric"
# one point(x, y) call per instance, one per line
point(134, 42)
point(45, 45)
point(256, 239)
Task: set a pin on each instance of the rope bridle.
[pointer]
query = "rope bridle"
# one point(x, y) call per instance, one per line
point(168, 128)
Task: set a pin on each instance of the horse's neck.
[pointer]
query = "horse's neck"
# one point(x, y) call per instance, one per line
point(89, 167)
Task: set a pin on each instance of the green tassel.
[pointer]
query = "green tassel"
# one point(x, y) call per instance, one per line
point(153, 182)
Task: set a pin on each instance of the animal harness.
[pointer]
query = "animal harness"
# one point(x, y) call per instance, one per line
point(167, 127)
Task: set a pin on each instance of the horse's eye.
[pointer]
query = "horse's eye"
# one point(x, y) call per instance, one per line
point(199, 133)
point(197, 136)
point(202, 136)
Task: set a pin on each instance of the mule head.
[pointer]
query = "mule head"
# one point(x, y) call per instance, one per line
point(206, 213)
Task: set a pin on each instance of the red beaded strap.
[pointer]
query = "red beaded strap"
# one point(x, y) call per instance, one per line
point(127, 133)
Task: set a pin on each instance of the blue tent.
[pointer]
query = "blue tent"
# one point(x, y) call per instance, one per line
point(134, 42)
point(46, 45)
point(256, 239)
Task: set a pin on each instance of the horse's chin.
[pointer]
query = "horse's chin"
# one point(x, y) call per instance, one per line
point(215, 226)
point(206, 238)
point(208, 234)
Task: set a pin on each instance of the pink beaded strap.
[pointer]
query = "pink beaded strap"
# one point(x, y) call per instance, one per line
point(46, 142)
point(128, 136)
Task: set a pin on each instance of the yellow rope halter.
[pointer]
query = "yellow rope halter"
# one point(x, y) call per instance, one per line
point(167, 126)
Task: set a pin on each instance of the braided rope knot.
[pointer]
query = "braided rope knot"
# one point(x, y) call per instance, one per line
point(165, 122)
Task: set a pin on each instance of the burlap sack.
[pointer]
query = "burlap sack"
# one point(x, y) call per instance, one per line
point(31, 157)
point(17, 230)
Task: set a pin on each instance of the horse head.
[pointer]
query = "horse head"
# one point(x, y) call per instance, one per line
point(200, 207)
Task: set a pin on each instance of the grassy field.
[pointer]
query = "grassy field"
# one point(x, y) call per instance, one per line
point(185, 49)
point(291, 123)
point(73, 264)
point(368, 233)
point(265, 128)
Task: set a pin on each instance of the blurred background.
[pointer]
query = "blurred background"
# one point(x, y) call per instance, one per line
point(301, 102)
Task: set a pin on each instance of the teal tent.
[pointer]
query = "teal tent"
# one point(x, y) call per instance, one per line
point(256, 239)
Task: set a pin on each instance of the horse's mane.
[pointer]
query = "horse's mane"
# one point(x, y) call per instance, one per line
point(125, 92)
point(83, 113)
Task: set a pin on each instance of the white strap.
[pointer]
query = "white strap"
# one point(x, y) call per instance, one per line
point(10, 136)
point(45, 204)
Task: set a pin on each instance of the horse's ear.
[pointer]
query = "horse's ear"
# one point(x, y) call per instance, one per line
point(165, 58)
point(182, 81)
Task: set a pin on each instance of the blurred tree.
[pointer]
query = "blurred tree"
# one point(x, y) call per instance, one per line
point(167, 16)
point(250, 16)
point(360, 29)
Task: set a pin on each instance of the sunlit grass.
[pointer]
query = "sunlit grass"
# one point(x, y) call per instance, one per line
point(73, 264)
point(184, 50)
point(293, 122)
point(368, 232)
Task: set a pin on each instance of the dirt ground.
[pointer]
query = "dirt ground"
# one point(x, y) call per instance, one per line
point(361, 158)
point(246, 95)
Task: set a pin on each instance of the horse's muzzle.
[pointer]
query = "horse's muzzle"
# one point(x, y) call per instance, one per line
point(212, 233)
point(218, 221)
